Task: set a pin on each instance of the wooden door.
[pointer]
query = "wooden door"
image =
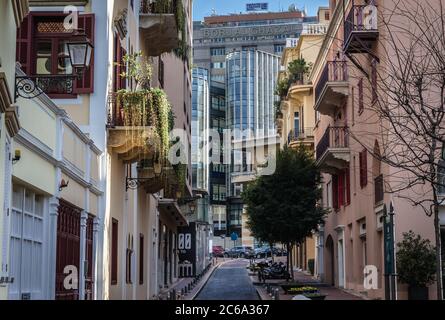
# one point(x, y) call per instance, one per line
point(68, 247)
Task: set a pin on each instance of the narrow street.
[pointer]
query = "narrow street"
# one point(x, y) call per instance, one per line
point(230, 282)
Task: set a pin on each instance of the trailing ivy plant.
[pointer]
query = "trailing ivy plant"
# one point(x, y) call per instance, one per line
point(145, 106)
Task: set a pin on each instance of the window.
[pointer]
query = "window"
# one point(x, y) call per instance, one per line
point(218, 192)
point(297, 122)
point(279, 48)
point(329, 194)
point(218, 65)
point(363, 162)
point(114, 250)
point(41, 49)
point(361, 105)
point(347, 187)
point(341, 189)
point(141, 259)
point(161, 72)
point(326, 16)
point(119, 53)
point(374, 80)
point(217, 51)
point(129, 258)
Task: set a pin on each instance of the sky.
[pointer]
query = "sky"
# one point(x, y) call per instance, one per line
point(202, 8)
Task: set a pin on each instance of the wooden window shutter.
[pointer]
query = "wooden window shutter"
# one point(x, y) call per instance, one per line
point(335, 203)
point(348, 186)
point(363, 168)
point(86, 84)
point(341, 190)
point(361, 105)
point(141, 259)
point(374, 80)
point(24, 44)
point(114, 250)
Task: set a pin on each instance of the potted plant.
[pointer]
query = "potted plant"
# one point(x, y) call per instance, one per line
point(297, 70)
point(416, 265)
point(315, 296)
point(282, 88)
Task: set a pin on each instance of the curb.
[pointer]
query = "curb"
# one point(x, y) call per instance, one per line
point(204, 284)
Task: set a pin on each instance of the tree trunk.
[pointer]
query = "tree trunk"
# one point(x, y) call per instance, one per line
point(438, 252)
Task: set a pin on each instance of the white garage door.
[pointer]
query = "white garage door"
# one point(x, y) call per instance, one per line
point(26, 244)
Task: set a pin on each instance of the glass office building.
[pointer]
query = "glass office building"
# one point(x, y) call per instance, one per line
point(251, 81)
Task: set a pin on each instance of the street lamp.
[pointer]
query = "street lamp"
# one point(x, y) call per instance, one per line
point(192, 206)
point(80, 51)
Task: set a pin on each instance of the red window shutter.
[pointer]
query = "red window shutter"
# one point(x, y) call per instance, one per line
point(114, 250)
point(335, 203)
point(361, 105)
point(341, 190)
point(348, 186)
point(374, 80)
point(24, 44)
point(363, 168)
point(86, 84)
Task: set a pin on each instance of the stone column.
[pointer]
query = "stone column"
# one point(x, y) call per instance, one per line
point(83, 232)
point(96, 226)
point(52, 246)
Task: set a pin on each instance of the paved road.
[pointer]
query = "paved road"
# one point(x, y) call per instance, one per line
point(229, 282)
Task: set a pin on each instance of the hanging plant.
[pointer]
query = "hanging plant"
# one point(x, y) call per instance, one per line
point(181, 175)
point(144, 106)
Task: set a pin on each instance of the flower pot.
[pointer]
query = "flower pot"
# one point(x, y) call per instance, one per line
point(417, 293)
point(317, 297)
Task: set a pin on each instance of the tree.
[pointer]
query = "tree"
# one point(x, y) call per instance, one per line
point(406, 98)
point(297, 69)
point(283, 207)
point(416, 260)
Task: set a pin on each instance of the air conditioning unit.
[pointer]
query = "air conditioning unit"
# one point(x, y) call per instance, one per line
point(379, 224)
point(362, 229)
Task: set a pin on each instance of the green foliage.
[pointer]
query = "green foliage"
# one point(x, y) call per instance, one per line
point(282, 88)
point(283, 207)
point(297, 69)
point(181, 174)
point(416, 260)
point(138, 68)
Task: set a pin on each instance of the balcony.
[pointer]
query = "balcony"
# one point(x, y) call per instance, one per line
point(361, 29)
point(130, 135)
point(378, 190)
point(158, 25)
point(302, 137)
point(332, 88)
point(332, 150)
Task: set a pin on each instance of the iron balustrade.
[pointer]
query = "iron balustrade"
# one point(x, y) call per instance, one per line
point(334, 71)
point(334, 137)
point(118, 116)
point(378, 189)
point(301, 134)
point(355, 21)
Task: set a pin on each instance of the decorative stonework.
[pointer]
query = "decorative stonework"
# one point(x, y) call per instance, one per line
point(21, 9)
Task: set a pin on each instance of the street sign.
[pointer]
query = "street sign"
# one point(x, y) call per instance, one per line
point(257, 6)
point(234, 236)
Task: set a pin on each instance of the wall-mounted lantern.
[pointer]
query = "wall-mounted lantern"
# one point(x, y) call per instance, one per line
point(63, 184)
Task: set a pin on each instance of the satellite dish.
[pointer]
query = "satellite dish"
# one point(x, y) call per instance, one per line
point(292, 8)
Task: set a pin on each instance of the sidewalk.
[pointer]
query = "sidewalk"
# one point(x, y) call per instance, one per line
point(300, 277)
point(188, 288)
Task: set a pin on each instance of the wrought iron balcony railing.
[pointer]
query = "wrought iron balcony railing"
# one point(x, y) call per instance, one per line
point(33, 86)
point(360, 22)
point(334, 71)
point(300, 134)
point(118, 116)
point(334, 137)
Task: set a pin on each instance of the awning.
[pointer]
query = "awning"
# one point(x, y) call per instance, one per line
point(170, 207)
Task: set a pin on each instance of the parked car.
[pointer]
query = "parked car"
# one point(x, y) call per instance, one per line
point(264, 252)
point(218, 251)
point(239, 252)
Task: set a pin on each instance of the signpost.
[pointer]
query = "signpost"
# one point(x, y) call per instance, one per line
point(388, 241)
point(234, 237)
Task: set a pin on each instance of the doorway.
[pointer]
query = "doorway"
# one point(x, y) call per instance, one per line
point(330, 259)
